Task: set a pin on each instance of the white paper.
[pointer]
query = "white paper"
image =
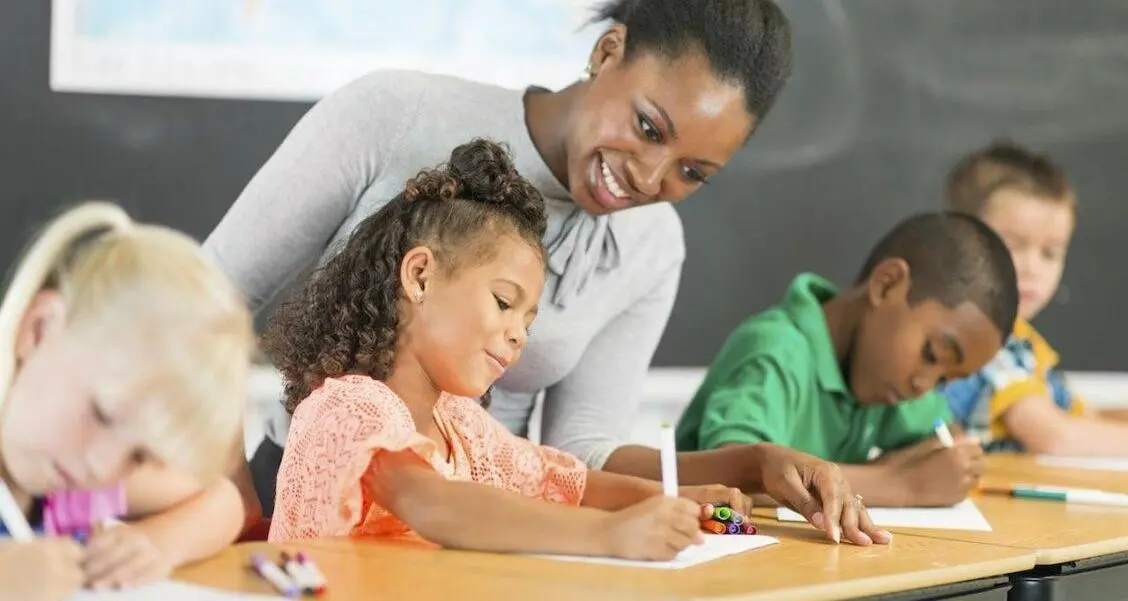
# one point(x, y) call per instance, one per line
point(961, 516)
point(1112, 464)
point(170, 591)
point(715, 546)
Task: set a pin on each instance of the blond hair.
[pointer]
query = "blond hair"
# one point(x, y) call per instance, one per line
point(149, 287)
point(977, 176)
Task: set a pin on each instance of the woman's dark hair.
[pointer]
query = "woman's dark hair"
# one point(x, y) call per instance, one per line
point(747, 42)
point(346, 320)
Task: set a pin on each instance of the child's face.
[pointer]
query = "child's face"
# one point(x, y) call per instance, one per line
point(902, 351)
point(64, 423)
point(471, 326)
point(1037, 232)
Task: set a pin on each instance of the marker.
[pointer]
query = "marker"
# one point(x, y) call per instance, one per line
point(943, 433)
point(320, 583)
point(748, 528)
point(722, 513)
point(669, 455)
point(733, 529)
point(275, 576)
point(14, 519)
point(296, 572)
point(1067, 495)
point(737, 518)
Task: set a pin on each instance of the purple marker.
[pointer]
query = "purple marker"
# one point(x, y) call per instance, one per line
point(275, 576)
point(733, 529)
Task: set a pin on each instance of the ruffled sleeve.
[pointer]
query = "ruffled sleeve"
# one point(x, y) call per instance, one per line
point(334, 437)
point(498, 458)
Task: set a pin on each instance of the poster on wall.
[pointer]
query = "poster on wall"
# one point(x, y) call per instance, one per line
point(303, 49)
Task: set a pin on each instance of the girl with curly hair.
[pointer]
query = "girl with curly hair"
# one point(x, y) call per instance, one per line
point(386, 355)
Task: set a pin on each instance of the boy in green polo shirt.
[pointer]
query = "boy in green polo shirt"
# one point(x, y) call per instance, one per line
point(848, 376)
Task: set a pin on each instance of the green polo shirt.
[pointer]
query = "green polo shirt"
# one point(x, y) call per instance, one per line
point(777, 380)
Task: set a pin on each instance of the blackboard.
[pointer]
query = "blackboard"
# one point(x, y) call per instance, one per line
point(886, 95)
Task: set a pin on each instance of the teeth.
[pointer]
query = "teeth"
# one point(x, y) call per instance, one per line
point(609, 180)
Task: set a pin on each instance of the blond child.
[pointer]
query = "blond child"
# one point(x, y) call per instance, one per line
point(123, 381)
point(1020, 401)
point(386, 354)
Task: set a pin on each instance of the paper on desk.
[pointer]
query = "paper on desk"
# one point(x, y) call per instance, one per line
point(1114, 464)
point(961, 516)
point(170, 591)
point(715, 546)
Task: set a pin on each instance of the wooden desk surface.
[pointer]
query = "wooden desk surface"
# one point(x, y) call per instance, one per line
point(395, 574)
point(802, 567)
point(1056, 532)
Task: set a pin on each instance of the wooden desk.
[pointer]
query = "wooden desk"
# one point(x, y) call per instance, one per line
point(1056, 532)
point(803, 567)
point(395, 574)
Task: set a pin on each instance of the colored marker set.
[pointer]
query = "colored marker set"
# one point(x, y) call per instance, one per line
point(293, 576)
point(722, 519)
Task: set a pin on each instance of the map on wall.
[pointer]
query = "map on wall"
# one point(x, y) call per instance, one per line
point(303, 49)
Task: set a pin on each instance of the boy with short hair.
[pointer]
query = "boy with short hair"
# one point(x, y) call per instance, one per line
point(1020, 401)
point(848, 375)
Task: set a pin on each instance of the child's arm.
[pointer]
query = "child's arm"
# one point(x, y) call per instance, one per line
point(923, 475)
point(1042, 427)
point(45, 569)
point(468, 515)
point(172, 520)
point(239, 473)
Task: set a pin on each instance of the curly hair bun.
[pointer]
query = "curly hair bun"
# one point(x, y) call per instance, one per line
point(481, 171)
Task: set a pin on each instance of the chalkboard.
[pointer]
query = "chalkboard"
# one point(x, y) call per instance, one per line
point(886, 95)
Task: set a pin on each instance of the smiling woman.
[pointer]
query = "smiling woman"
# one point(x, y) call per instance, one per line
point(671, 90)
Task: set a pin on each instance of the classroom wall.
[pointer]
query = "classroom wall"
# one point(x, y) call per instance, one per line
point(886, 94)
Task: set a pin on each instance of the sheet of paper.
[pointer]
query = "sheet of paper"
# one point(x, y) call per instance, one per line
point(961, 516)
point(1113, 464)
point(715, 546)
point(170, 591)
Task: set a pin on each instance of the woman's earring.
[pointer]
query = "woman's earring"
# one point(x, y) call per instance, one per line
point(588, 72)
point(418, 296)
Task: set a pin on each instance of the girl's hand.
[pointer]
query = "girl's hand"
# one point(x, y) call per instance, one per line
point(46, 569)
point(656, 529)
point(122, 556)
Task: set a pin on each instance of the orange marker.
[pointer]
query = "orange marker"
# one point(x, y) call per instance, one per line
point(714, 526)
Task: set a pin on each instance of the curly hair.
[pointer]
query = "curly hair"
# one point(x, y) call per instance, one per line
point(346, 318)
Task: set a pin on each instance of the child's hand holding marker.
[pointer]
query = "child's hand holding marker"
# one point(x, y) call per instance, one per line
point(121, 556)
point(656, 529)
point(44, 569)
point(939, 471)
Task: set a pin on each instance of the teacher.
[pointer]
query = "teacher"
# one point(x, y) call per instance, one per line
point(670, 92)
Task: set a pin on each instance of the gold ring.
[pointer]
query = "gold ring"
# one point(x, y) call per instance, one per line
point(858, 497)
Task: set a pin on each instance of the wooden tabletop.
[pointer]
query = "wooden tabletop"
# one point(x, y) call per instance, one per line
point(1056, 532)
point(804, 566)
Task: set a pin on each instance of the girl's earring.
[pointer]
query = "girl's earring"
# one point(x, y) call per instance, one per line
point(588, 72)
point(418, 296)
